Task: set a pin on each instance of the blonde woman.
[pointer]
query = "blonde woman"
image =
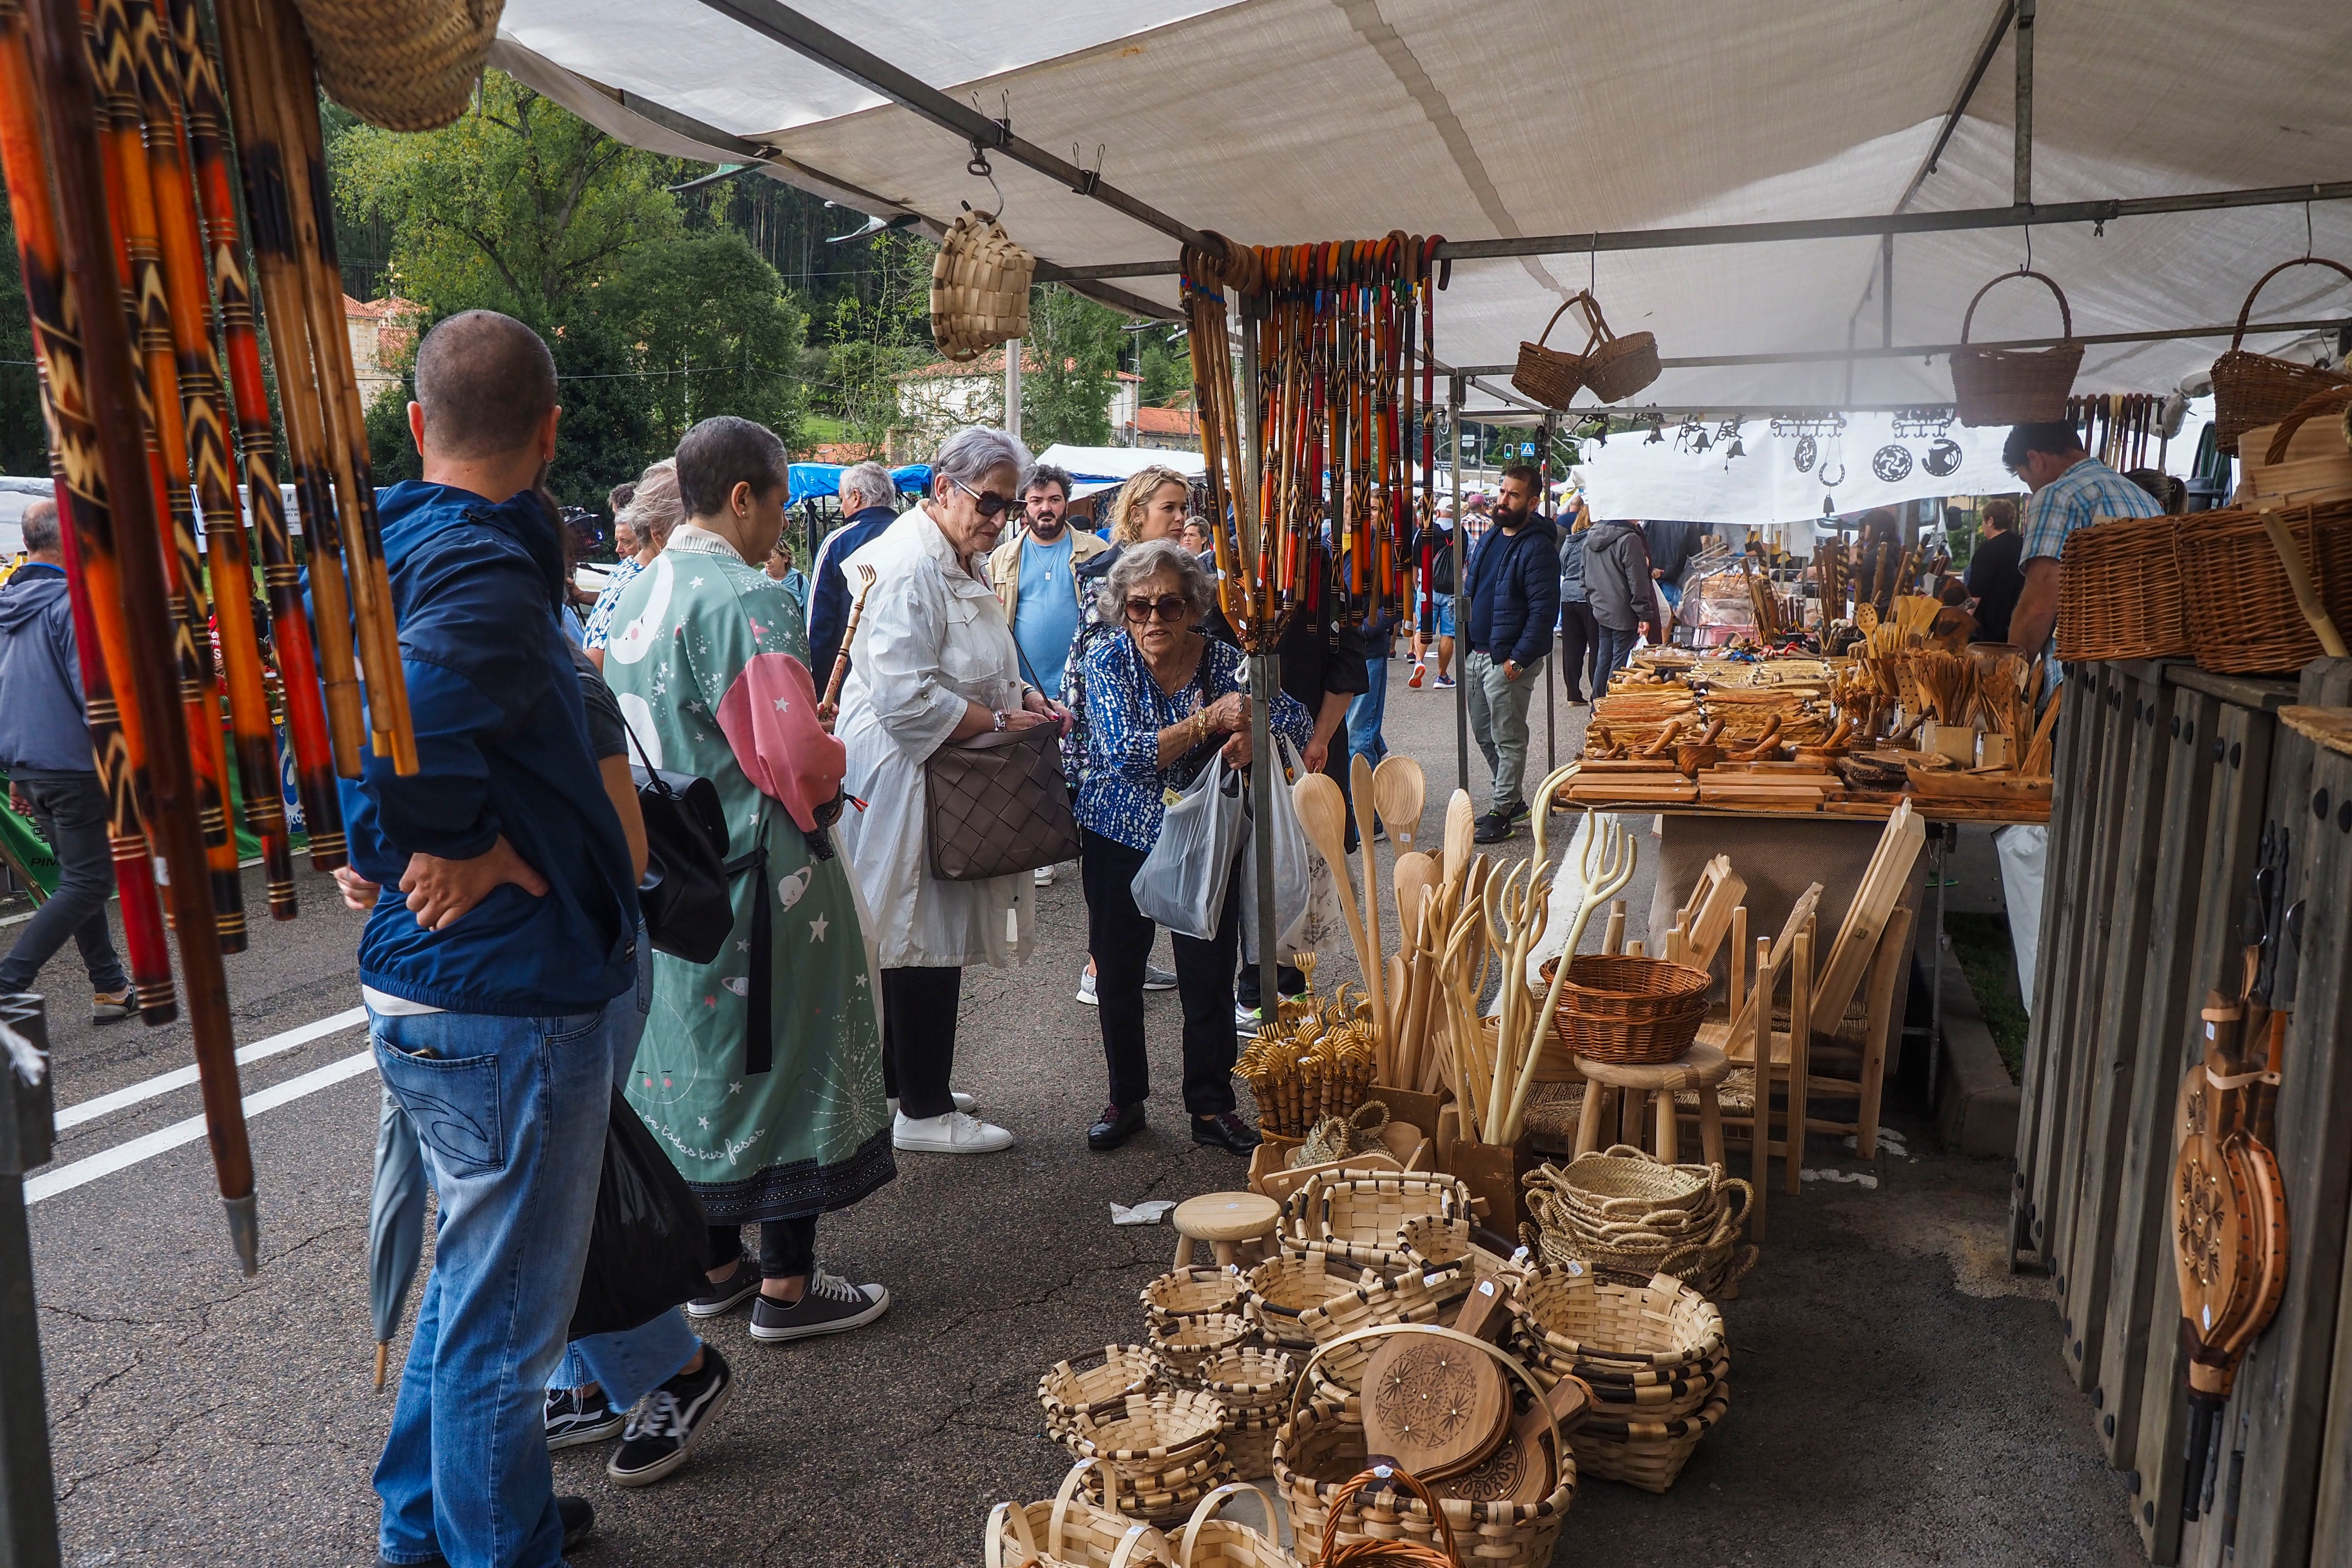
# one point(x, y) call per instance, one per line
point(652, 511)
point(1151, 505)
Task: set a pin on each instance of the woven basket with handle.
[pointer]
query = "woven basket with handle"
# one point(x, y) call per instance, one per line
point(1628, 1219)
point(2120, 596)
point(1067, 1530)
point(2015, 386)
point(980, 287)
point(2252, 389)
point(404, 65)
point(1551, 376)
point(2244, 618)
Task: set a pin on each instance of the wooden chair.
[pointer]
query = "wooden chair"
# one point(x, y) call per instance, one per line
point(1224, 1220)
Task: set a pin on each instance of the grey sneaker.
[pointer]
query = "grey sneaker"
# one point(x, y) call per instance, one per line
point(727, 1294)
point(831, 1305)
point(1158, 979)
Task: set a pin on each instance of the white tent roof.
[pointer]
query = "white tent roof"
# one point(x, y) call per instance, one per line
point(1117, 464)
point(1286, 121)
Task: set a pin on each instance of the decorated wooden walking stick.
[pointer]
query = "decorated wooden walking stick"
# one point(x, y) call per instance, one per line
point(828, 709)
point(108, 475)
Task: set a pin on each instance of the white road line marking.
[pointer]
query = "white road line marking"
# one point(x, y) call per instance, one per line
point(65, 1178)
point(180, 1078)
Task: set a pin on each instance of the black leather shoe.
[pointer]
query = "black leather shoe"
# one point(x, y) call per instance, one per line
point(579, 1520)
point(1115, 1126)
point(1228, 1132)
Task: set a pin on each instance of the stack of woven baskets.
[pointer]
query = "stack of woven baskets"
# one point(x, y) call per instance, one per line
point(1621, 1213)
point(1653, 1355)
point(1157, 1455)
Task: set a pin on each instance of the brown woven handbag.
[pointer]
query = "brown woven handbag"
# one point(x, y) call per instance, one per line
point(2251, 390)
point(996, 805)
point(2015, 386)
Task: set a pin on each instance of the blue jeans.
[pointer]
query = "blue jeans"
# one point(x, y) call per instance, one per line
point(1364, 713)
point(511, 1112)
point(1615, 648)
point(632, 1363)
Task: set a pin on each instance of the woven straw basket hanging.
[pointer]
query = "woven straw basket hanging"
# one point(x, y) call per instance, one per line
point(2251, 390)
point(403, 65)
point(980, 287)
point(2015, 386)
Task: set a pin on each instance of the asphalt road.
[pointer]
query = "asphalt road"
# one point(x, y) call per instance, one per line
point(1899, 1396)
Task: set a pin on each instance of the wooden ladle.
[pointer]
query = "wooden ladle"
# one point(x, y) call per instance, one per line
point(1323, 813)
point(1401, 790)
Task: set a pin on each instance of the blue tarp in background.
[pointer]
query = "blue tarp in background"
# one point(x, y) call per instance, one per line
point(809, 480)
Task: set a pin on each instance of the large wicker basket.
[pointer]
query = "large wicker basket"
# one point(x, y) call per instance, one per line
point(404, 65)
point(1192, 1293)
point(1634, 1011)
point(2120, 594)
point(1096, 1384)
point(1338, 1369)
point(2251, 389)
point(1282, 1290)
point(1183, 1344)
point(1361, 1219)
point(980, 287)
point(2015, 386)
point(2244, 618)
point(1551, 376)
point(1158, 1456)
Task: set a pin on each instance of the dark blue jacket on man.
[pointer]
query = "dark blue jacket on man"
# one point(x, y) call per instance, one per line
point(1514, 593)
point(44, 728)
point(502, 737)
point(829, 587)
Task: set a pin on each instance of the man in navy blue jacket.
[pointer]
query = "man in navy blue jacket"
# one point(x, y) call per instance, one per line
point(498, 957)
point(867, 492)
point(1514, 593)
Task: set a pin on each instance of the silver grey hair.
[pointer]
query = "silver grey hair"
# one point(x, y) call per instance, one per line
point(974, 452)
point(39, 525)
point(656, 508)
point(1153, 558)
point(871, 482)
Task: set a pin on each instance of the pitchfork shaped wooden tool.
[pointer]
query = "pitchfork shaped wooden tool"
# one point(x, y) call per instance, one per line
point(830, 708)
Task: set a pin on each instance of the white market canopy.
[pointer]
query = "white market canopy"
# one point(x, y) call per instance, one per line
point(1279, 121)
point(1097, 466)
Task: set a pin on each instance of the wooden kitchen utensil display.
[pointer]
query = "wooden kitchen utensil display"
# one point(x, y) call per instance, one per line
point(2229, 1204)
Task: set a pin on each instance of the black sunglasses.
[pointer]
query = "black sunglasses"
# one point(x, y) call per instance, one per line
point(1173, 608)
point(988, 503)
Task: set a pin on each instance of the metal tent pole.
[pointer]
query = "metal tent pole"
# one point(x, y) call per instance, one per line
point(2022, 176)
point(1461, 608)
point(28, 1507)
point(1013, 388)
point(1265, 679)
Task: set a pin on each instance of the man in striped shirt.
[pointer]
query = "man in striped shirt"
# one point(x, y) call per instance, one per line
point(2071, 490)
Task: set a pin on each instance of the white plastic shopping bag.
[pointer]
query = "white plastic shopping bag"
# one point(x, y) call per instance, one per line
point(1294, 864)
point(1183, 882)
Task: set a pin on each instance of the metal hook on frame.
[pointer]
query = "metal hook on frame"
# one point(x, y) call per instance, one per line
point(1088, 178)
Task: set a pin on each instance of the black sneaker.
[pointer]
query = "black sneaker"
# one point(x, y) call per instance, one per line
point(574, 1419)
point(1493, 828)
point(578, 1520)
point(666, 1422)
point(725, 1295)
point(831, 1305)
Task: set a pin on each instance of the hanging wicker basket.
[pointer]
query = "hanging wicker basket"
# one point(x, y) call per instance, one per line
point(403, 65)
point(2252, 390)
point(1551, 376)
point(980, 287)
point(2015, 386)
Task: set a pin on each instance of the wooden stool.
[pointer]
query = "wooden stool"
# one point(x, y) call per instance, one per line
point(1221, 1219)
point(1699, 1068)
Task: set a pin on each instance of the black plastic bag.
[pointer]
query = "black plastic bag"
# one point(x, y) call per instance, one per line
point(647, 1250)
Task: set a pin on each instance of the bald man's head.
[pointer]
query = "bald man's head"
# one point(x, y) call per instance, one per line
point(485, 383)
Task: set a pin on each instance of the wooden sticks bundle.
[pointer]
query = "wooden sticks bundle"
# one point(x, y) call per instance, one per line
point(1329, 332)
point(113, 147)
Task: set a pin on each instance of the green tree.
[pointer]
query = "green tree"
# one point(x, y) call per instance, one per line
point(1165, 363)
point(1074, 346)
point(24, 441)
point(714, 334)
point(878, 336)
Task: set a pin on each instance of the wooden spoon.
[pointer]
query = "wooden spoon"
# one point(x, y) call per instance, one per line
point(1401, 790)
point(1324, 815)
point(1360, 784)
point(1460, 828)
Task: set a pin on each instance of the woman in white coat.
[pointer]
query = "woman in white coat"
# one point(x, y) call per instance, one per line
point(934, 661)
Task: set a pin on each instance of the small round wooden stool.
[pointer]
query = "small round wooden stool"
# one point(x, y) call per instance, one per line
point(1221, 1219)
point(1701, 1068)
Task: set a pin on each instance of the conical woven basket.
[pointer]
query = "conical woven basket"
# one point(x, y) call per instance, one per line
point(980, 287)
point(404, 65)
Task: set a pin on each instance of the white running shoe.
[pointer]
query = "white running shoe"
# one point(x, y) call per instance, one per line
point(1087, 989)
point(957, 1132)
point(1042, 876)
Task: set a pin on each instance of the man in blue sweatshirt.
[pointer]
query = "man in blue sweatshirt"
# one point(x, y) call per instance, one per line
point(1514, 591)
point(52, 774)
point(499, 958)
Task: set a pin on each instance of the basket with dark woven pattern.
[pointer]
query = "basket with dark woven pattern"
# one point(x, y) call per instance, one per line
point(2244, 618)
point(2015, 386)
point(404, 65)
point(2251, 390)
point(2120, 594)
point(1635, 1011)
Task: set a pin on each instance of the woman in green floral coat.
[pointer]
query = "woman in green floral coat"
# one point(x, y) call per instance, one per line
point(777, 1124)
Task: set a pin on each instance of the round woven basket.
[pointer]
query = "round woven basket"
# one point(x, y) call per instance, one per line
point(404, 65)
point(1565, 1321)
point(1647, 1454)
point(1185, 1345)
point(1158, 1456)
point(1361, 1219)
point(1192, 1293)
point(1282, 1289)
point(1632, 1011)
point(980, 287)
point(1318, 1451)
point(1411, 1298)
point(1095, 1384)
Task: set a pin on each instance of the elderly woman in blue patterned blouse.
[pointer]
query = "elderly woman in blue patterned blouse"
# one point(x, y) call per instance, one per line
point(1162, 699)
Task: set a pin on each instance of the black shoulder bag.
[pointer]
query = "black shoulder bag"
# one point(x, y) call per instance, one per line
point(684, 895)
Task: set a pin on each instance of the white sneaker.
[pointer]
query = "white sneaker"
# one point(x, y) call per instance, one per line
point(963, 1102)
point(1043, 876)
point(957, 1132)
point(1087, 989)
